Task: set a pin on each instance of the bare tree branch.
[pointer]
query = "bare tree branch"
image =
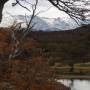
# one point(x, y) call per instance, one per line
point(72, 9)
point(16, 49)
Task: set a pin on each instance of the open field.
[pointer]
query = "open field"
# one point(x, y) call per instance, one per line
point(77, 70)
point(80, 77)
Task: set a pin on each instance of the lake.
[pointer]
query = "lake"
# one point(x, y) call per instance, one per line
point(76, 84)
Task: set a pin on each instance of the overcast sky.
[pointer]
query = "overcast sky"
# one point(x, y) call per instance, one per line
point(42, 5)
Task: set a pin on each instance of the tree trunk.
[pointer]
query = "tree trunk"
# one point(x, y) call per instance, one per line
point(2, 2)
point(71, 68)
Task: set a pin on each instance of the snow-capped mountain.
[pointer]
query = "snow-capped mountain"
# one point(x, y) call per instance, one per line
point(60, 24)
point(41, 23)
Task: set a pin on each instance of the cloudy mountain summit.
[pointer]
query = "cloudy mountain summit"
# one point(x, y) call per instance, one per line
point(44, 21)
point(41, 23)
point(50, 20)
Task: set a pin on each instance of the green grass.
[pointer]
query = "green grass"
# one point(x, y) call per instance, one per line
point(81, 69)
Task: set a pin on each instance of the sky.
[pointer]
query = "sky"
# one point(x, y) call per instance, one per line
point(43, 5)
point(49, 11)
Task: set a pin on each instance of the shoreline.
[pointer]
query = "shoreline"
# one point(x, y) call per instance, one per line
point(83, 77)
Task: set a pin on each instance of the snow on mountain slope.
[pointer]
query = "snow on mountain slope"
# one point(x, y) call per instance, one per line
point(6, 21)
point(60, 24)
point(41, 23)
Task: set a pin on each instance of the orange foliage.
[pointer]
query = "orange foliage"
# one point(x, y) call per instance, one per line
point(25, 74)
point(21, 74)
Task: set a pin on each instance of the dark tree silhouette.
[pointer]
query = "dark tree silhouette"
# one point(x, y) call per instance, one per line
point(74, 8)
point(2, 2)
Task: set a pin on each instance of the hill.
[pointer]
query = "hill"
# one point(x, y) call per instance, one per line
point(56, 46)
point(38, 50)
point(84, 28)
point(29, 70)
point(65, 46)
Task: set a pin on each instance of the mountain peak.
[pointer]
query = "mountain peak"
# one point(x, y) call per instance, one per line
point(41, 23)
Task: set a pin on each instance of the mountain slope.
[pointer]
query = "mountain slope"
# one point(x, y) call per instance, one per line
point(41, 23)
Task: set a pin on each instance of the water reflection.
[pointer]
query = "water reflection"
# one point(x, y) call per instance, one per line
point(76, 84)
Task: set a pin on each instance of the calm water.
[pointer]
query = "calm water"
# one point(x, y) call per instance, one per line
point(76, 84)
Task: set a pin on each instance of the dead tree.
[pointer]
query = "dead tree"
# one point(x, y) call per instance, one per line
point(17, 44)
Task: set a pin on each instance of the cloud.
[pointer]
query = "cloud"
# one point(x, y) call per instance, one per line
point(43, 5)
